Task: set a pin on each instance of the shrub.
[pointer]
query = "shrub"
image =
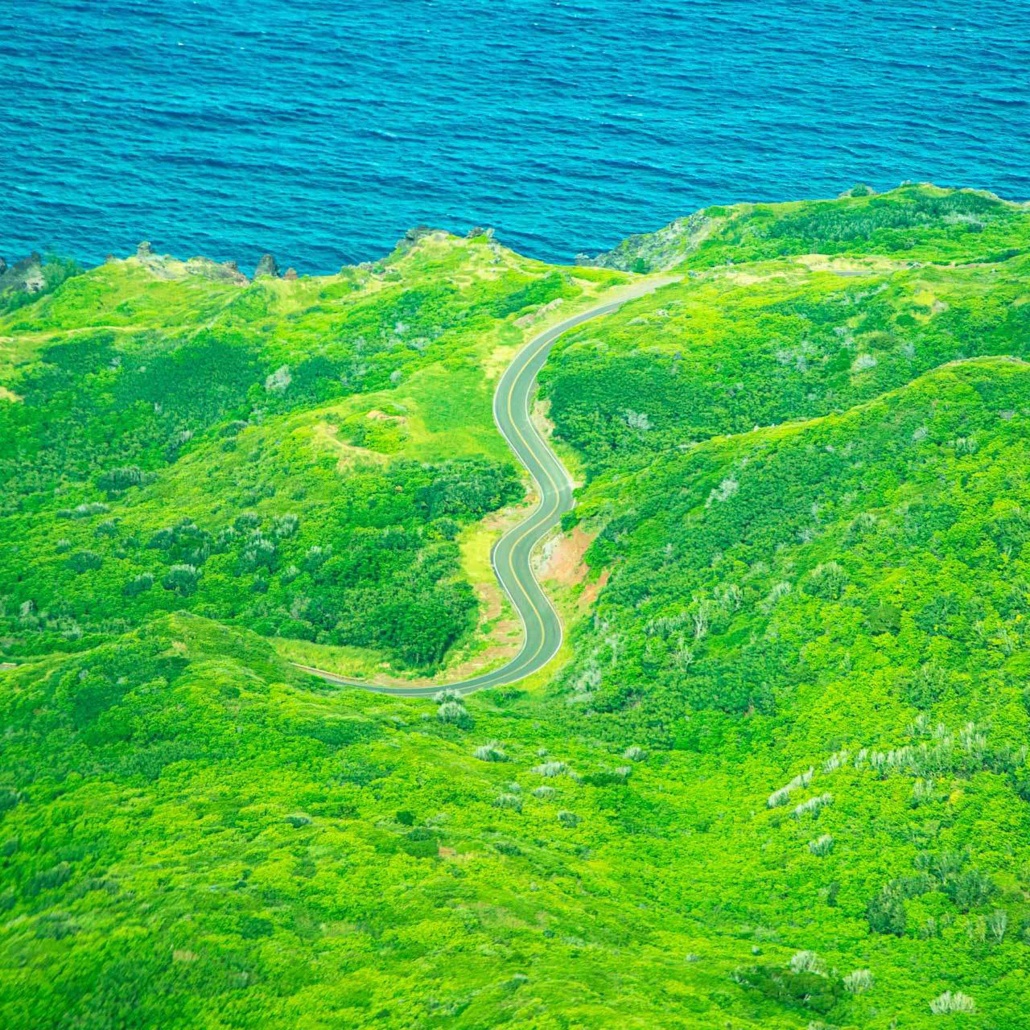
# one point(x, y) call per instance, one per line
point(279, 380)
point(836, 761)
point(84, 561)
point(138, 585)
point(490, 752)
point(886, 913)
point(858, 982)
point(997, 923)
point(827, 581)
point(550, 769)
point(117, 480)
point(821, 846)
point(969, 889)
point(634, 753)
point(455, 713)
point(316, 557)
point(182, 579)
point(780, 797)
point(947, 1003)
point(923, 791)
point(512, 801)
point(544, 792)
point(83, 511)
point(259, 552)
point(285, 525)
point(883, 618)
point(48, 879)
point(806, 962)
point(568, 819)
point(812, 805)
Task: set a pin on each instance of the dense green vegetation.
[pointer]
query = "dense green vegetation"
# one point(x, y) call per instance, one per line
point(781, 779)
point(916, 222)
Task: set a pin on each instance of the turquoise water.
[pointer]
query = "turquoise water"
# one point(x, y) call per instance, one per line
point(321, 131)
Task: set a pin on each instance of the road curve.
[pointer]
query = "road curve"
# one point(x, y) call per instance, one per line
point(542, 628)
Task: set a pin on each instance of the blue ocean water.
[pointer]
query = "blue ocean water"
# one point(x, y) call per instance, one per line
point(322, 130)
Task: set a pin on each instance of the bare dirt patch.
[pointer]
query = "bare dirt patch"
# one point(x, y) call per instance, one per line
point(561, 558)
point(590, 590)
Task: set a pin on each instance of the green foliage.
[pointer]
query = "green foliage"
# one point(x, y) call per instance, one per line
point(790, 738)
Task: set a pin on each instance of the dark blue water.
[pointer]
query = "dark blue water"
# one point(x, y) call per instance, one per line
point(321, 131)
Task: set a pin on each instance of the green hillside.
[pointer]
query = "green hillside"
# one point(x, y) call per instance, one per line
point(778, 780)
point(298, 457)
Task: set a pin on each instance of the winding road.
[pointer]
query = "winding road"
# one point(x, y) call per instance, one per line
point(542, 628)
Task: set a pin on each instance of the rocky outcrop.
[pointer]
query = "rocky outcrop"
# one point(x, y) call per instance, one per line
point(25, 276)
point(657, 251)
point(266, 267)
point(227, 271)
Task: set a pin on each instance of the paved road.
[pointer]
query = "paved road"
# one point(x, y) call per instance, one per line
point(511, 554)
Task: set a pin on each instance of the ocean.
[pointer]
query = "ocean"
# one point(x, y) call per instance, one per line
point(321, 131)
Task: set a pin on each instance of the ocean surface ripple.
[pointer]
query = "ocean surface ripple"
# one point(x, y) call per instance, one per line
point(322, 131)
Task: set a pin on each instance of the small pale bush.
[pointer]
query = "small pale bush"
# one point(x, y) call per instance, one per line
point(490, 752)
point(821, 846)
point(806, 962)
point(948, 1002)
point(858, 982)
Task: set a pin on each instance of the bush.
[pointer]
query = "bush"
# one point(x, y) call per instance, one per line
point(84, 561)
point(806, 962)
point(781, 796)
point(969, 889)
point(947, 1003)
point(827, 581)
point(182, 579)
point(285, 526)
point(455, 713)
point(858, 982)
point(490, 752)
point(568, 819)
point(822, 845)
point(117, 480)
point(138, 585)
point(886, 913)
point(812, 805)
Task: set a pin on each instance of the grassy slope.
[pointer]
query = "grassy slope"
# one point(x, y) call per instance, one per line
point(214, 841)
